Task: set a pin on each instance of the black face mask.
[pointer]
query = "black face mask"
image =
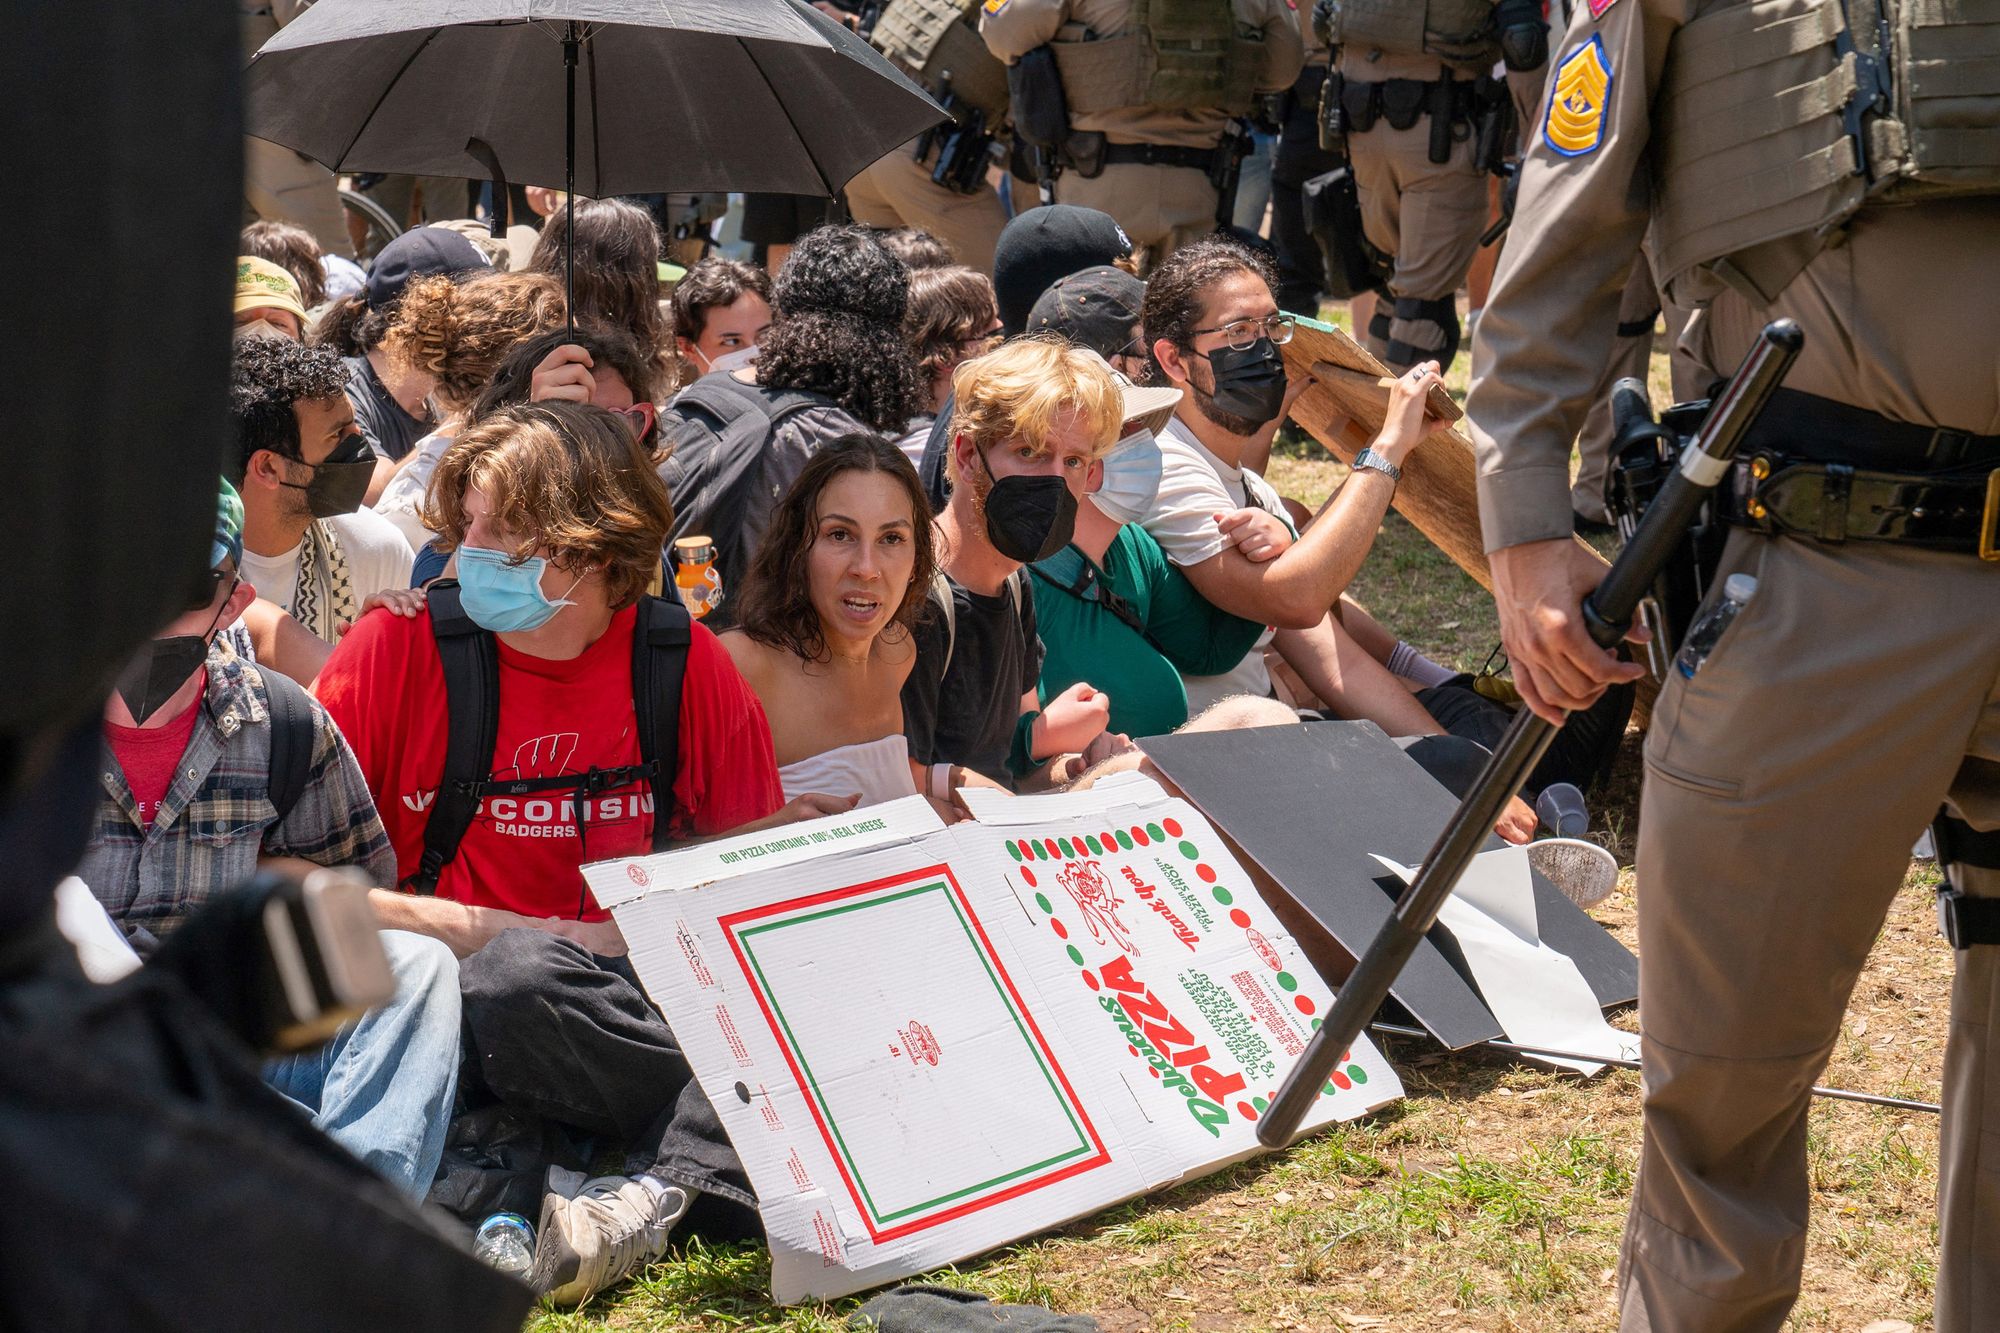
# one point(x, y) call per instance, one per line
point(1028, 518)
point(161, 666)
point(340, 484)
point(157, 672)
point(1251, 383)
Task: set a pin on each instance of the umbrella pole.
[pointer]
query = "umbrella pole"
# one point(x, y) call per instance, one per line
point(569, 176)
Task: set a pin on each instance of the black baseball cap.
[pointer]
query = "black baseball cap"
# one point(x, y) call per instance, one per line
point(1047, 243)
point(420, 252)
point(1096, 308)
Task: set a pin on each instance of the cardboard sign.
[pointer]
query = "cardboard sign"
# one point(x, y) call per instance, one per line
point(926, 1042)
point(1348, 793)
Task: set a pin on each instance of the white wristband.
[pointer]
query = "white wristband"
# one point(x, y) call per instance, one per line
point(940, 781)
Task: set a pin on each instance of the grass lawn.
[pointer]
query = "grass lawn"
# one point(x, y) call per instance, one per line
point(1492, 1196)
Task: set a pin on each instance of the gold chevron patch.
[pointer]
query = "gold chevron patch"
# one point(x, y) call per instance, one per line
point(1577, 101)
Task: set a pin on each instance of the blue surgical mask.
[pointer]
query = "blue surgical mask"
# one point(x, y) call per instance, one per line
point(503, 596)
point(1131, 479)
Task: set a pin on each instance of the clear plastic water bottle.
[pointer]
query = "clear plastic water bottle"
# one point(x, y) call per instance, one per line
point(1737, 590)
point(507, 1242)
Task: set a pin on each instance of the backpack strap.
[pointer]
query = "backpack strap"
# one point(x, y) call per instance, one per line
point(941, 598)
point(660, 640)
point(293, 734)
point(471, 662)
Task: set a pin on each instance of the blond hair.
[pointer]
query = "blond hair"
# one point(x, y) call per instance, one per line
point(1022, 390)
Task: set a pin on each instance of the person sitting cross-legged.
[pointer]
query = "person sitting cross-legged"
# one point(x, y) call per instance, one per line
point(211, 764)
point(613, 727)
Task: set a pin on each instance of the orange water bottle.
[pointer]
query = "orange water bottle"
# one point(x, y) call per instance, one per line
point(695, 575)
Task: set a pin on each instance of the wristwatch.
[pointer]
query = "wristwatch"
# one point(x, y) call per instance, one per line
point(1368, 458)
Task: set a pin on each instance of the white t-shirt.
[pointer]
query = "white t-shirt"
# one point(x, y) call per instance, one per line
point(1195, 486)
point(403, 498)
point(377, 559)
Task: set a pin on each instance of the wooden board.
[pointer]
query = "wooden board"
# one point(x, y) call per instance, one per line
point(1439, 493)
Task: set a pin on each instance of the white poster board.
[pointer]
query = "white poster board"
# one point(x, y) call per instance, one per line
point(926, 1042)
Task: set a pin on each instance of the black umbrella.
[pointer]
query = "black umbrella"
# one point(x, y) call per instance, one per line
point(606, 97)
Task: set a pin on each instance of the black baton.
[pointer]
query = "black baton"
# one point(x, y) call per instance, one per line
point(1607, 614)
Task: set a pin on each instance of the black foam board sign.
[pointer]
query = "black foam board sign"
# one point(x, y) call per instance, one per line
point(1308, 805)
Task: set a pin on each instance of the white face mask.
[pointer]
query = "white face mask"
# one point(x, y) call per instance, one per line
point(1131, 479)
point(262, 328)
point(735, 360)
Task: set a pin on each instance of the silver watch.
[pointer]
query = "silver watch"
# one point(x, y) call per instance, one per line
point(1368, 458)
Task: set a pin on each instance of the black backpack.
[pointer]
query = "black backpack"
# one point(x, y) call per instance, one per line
point(719, 428)
point(471, 660)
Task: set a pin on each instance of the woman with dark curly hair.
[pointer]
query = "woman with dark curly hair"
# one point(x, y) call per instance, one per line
point(833, 362)
point(825, 620)
point(838, 329)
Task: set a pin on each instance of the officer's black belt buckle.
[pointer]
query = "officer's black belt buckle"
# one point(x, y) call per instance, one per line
point(1837, 502)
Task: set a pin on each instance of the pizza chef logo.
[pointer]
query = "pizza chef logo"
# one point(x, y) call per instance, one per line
point(1090, 889)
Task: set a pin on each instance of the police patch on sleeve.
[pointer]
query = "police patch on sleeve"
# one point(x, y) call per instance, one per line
point(1578, 97)
point(994, 6)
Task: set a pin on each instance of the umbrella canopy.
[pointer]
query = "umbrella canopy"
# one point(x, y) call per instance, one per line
point(670, 95)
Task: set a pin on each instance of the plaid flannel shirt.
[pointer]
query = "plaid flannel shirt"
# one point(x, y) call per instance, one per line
point(217, 818)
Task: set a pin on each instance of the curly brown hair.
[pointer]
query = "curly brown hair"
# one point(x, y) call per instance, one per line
point(617, 266)
point(570, 480)
point(293, 249)
point(459, 332)
point(775, 604)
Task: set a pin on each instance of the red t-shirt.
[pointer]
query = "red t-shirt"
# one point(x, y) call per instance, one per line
point(148, 757)
point(384, 686)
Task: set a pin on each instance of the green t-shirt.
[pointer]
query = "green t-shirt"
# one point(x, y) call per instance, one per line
point(1138, 660)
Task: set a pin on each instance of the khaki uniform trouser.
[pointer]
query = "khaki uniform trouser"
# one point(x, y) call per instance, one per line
point(896, 190)
point(1429, 216)
point(444, 198)
point(1160, 208)
point(1630, 356)
point(280, 185)
point(1785, 784)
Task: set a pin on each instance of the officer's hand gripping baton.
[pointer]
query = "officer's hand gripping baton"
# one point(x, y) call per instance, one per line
point(1607, 614)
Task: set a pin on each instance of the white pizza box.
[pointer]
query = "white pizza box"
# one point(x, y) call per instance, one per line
point(926, 1042)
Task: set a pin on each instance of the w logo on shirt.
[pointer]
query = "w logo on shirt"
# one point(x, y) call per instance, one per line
point(545, 756)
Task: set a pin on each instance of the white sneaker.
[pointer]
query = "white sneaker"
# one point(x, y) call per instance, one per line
point(596, 1233)
point(1585, 872)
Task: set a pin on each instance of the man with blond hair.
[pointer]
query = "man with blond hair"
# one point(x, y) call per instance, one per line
point(1030, 426)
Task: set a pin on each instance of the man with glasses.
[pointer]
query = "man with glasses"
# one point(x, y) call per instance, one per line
point(189, 804)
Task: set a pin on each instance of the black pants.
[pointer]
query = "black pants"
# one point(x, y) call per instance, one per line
point(556, 1031)
point(1580, 754)
point(1299, 158)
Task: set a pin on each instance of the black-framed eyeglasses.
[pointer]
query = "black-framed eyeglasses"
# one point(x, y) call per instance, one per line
point(1244, 333)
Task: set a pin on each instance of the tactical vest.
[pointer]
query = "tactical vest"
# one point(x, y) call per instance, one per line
point(1460, 31)
point(1179, 55)
point(930, 39)
point(1776, 120)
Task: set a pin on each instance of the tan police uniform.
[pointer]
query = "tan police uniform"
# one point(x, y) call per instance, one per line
point(1860, 686)
point(280, 185)
point(1631, 356)
point(936, 42)
point(1103, 53)
point(1428, 215)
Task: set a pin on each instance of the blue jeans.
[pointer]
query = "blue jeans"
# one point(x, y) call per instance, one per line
point(382, 1088)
